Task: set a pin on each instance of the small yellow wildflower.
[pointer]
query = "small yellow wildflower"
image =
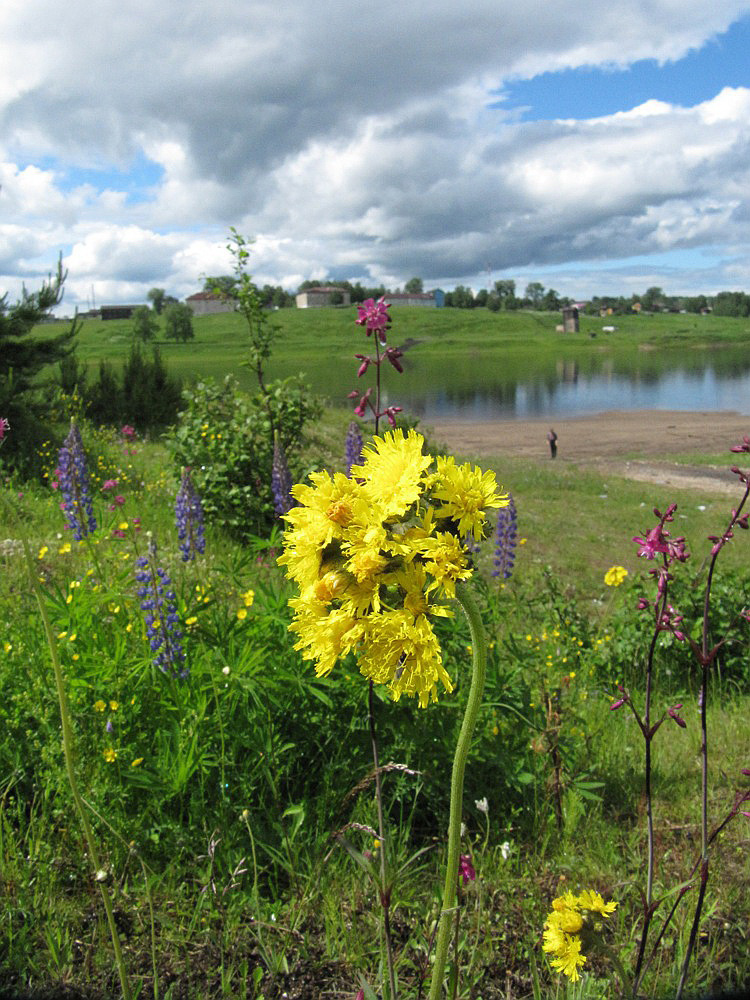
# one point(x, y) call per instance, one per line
point(7, 646)
point(100, 706)
point(191, 621)
point(110, 755)
point(242, 614)
point(615, 575)
point(248, 597)
point(114, 705)
point(64, 549)
point(573, 919)
point(43, 552)
point(137, 762)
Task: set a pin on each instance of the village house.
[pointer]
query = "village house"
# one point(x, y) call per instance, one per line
point(322, 295)
point(207, 303)
point(117, 312)
point(431, 300)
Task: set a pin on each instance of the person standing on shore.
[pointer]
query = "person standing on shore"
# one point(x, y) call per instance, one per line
point(552, 438)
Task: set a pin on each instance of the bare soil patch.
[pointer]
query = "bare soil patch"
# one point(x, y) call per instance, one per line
point(618, 442)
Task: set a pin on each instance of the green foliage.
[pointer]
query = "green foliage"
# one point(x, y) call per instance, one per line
point(144, 324)
point(156, 297)
point(178, 322)
point(24, 354)
point(226, 437)
point(214, 800)
point(143, 394)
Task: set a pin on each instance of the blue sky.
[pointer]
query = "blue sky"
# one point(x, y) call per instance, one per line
point(600, 147)
point(589, 92)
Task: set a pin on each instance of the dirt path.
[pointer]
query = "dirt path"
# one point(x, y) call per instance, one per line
point(602, 441)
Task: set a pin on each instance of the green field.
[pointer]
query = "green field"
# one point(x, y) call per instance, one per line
point(321, 343)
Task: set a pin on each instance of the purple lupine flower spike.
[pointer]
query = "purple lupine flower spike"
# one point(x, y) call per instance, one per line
point(159, 606)
point(188, 511)
point(75, 489)
point(353, 446)
point(506, 536)
point(281, 480)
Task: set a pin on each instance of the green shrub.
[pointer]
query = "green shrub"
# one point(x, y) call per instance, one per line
point(226, 437)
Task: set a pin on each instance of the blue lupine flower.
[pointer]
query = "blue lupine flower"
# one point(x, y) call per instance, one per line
point(73, 480)
point(353, 446)
point(506, 536)
point(158, 603)
point(188, 511)
point(281, 480)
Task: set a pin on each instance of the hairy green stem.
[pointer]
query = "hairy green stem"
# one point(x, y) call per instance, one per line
point(468, 602)
point(67, 741)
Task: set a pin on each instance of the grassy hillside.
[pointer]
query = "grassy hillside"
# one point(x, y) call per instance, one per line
point(322, 342)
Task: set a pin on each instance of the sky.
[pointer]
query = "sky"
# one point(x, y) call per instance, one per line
point(600, 147)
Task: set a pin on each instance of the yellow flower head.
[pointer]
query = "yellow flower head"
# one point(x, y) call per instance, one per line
point(370, 562)
point(465, 494)
point(100, 706)
point(615, 575)
point(110, 755)
point(568, 925)
point(392, 471)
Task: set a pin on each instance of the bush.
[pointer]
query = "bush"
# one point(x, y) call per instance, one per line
point(226, 437)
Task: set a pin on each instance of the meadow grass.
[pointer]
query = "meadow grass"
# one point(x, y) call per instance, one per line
point(217, 800)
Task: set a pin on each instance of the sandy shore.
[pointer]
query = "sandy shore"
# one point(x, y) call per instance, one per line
point(605, 435)
point(602, 441)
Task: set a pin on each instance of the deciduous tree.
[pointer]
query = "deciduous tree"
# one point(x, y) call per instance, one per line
point(178, 322)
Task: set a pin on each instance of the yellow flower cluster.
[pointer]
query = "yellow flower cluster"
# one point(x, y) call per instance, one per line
point(373, 553)
point(615, 575)
point(565, 928)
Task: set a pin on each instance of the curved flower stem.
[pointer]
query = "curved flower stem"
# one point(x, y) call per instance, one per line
point(385, 891)
point(479, 668)
point(67, 741)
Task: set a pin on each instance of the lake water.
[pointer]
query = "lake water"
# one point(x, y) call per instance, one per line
point(571, 393)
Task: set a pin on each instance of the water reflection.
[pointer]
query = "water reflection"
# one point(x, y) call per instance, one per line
point(505, 385)
point(570, 393)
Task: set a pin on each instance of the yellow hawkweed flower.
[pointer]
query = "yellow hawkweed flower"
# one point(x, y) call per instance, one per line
point(110, 755)
point(372, 566)
point(114, 705)
point(573, 920)
point(100, 706)
point(615, 575)
point(248, 597)
point(466, 493)
point(242, 614)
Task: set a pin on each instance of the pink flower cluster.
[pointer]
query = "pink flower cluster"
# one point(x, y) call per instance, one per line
point(4, 427)
point(373, 316)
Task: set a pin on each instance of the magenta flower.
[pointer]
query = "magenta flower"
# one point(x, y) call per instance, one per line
point(4, 427)
point(653, 543)
point(109, 484)
point(466, 869)
point(127, 431)
point(374, 316)
point(745, 446)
